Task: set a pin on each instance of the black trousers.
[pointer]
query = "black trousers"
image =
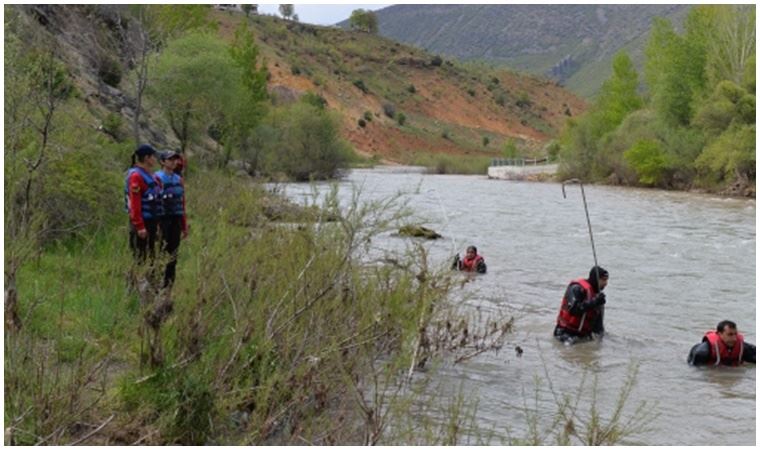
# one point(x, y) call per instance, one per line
point(171, 234)
point(144, 248)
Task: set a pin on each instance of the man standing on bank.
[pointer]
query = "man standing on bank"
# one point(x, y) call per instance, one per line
point(174, 218)
point(723, 347)
point(581, 311)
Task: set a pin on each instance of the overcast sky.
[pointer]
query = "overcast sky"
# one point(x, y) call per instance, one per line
point(320, 14)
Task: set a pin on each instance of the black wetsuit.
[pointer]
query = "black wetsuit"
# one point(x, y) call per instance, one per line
point(700, 354)
point(576, 300)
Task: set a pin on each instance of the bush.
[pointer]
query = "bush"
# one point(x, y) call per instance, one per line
point(731, 154)
point(501, 99)
point(295, 70)
point(314, 99)
point(471, 91)
point(389, 110)
point(368, 116)
point(112, 124)
point(306, 143)
point(360, 84)
point(362, 123)
point(109, 71)
point(523, 101)
point(486, 141)
point(411, 89)
point(436, 61)
point(510, 150)
point(401, 119)
point(649, 161)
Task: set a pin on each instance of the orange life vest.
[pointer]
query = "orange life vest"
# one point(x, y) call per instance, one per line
point(720, 354)
point(579, 324)
point(470, 264)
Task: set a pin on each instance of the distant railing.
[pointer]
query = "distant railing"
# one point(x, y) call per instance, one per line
point(519, 162)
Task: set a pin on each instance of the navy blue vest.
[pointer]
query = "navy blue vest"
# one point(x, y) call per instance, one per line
point(173, 193)
point(151, 198)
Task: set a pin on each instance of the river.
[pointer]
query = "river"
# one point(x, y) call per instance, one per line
point(678, 263)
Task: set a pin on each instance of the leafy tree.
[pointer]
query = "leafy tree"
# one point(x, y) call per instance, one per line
point(363, 20)
point(286, 11)
point(248, 8)
point(301, 141)
point(198, 84)
point(674, 72)
point(157, 25)
point(731, 154)
point(731, 44)
point(618, 96)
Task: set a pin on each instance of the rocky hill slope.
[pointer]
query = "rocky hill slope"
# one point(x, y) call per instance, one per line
point(396, 101)
point(573, 44)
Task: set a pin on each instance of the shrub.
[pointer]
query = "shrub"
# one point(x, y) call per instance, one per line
point(471, 91)
point(510, 149)
point(649, 161)
point(436, 61)
point(389, 110)
point(112, 124)
point(368, 116)
point(360, 84)
point(411, 89)
point(314, 99)
point(501, 99)
point(362, 123)
point(446, 135)
point(295, 70)
point(401, 119)
point(486, 141)
point(306, 143)
point(109, 71)
point(523, 101)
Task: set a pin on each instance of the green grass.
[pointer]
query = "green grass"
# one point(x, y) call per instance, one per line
point(451, 164)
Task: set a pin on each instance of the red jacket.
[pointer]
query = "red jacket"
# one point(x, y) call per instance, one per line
point(136, 186)
point(720, 354)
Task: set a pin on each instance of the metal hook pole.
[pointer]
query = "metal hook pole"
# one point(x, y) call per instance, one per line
point(588, 220)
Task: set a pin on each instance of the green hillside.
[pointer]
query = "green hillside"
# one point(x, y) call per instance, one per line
point(573, 44)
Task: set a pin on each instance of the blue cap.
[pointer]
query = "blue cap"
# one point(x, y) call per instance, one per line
point(145, 150)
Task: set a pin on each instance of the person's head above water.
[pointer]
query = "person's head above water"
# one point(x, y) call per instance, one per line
point(727, 332)
point(471, 251)
point(600, 283)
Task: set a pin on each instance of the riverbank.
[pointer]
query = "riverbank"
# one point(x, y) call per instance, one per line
point(245, 349)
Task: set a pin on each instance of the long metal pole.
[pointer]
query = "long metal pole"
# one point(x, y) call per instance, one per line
point(590, 233)
point(588, 219)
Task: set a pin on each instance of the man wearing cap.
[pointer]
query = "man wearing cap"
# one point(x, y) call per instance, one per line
point(582, 310)
point(174, 219)
point(142, 194)
point(723, 347)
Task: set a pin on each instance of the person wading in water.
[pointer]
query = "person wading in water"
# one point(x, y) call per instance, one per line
point(580, 313)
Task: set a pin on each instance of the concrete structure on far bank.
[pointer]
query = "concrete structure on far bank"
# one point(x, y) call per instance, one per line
point(521, 169)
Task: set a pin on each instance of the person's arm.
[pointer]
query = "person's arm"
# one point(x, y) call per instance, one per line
point(184, 209)
point(576, 300)
point(598, 325)
point(457, 264)
point(136, 185)
point(699, 355)
point(481, 267)
point(748, 354)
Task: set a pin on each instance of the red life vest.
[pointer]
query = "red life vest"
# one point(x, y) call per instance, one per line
point(470, 264)
point(581, 325)
point(720, 354)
